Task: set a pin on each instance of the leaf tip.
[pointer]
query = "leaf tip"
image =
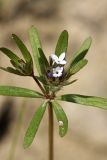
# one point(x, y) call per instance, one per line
point(27, 142)
point(1, 48)
point(25, 146)
point(89, 40)
point(13, 36)
point(65, 31)
point(32, 28)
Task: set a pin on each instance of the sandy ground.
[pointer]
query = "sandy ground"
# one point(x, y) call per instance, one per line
point(87, 135)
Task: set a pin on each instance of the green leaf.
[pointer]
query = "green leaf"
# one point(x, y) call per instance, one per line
point(54, 88)
point(43, 60)
point(43, 64)
point(36, 45)
point(11, 70)
point(18, 67)
point(80, 54)
point(15, 64)
point(10, 54)
point(34, 124)
point(78, 66)
point(19, 92)
point(24, 68)
point(68, 83)
point(42, 79)
point(28, 68)
point(85, 100)
point(62, 43)
point(22, 47)
point(61, 117)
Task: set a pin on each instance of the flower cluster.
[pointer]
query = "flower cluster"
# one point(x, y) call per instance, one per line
point(57, 65)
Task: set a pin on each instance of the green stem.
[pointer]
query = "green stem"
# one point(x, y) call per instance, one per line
point(51, 129)
point(38, 83)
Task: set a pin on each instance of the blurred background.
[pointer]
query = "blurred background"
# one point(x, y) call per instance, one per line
point(87, 135)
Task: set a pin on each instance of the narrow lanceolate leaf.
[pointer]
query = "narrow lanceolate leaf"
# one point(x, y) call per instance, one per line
point(34, 124)
point(36, 44)
point(78, 66)
point(43, 62)
point(62, 43)
point(11, 70)
point(19, 92)
point(10, 54)
point(68, 83)
point(61, 117)
point(85, 100)
point(80, 54)
point(22, 47)
point(43, 58)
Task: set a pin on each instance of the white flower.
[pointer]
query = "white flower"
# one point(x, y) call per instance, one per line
point(57, 72)
point(59, 60)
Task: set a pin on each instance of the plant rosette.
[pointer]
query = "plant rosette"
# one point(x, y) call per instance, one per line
point(53, 74)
